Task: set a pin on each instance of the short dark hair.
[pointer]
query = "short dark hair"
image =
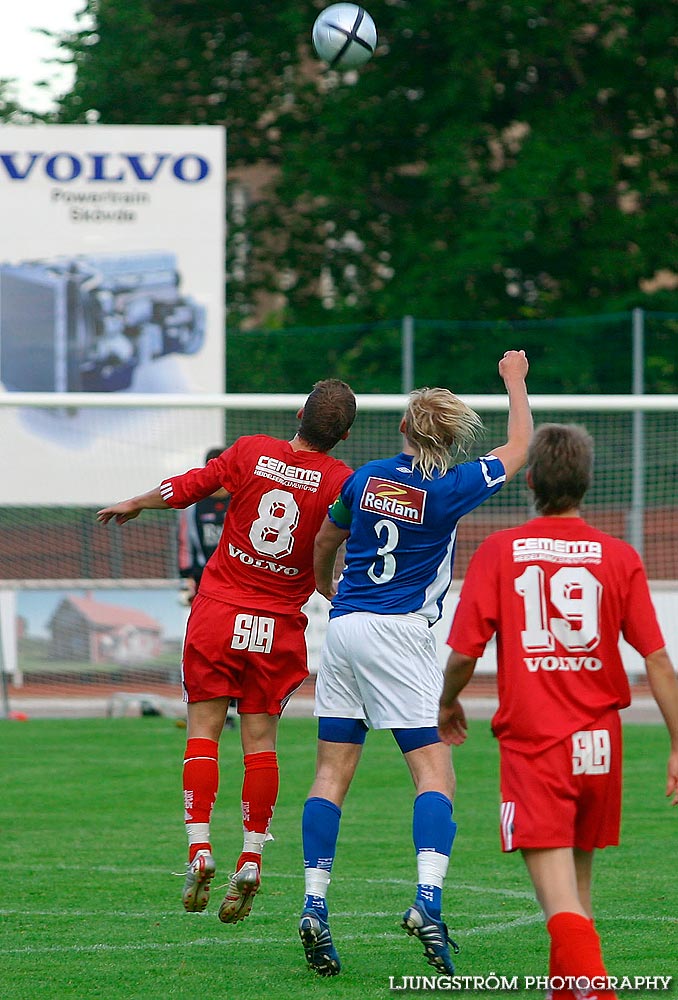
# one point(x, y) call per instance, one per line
point(328, 414)
point(213, 453)
point(560, 464)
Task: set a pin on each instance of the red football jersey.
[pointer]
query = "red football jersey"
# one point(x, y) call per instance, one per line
point(558, 593)
point(279, 499)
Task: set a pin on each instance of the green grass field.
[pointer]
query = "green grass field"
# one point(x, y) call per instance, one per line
point(91, 828)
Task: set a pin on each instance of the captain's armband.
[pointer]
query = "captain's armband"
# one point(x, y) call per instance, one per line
point(339, 514)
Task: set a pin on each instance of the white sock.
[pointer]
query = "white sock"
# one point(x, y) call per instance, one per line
point(316, 881)
point(198, 833)
point(432, 868)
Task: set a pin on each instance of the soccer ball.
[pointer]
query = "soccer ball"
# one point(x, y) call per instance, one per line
point(344, 35)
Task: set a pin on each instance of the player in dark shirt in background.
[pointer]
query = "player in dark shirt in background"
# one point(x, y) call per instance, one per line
point(200, 529)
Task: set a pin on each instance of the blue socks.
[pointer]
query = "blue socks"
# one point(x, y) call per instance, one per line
point(433, 832)
point(319, 834)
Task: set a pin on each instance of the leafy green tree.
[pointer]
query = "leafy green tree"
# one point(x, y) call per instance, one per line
point(493, 160)
point(506, 159)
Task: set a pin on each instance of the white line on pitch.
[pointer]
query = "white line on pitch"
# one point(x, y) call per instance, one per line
point(226, 940)
point(169, 945)
point(205, 915)
point(451, 885)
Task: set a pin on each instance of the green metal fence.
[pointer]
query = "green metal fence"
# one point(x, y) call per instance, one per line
point(610, 353)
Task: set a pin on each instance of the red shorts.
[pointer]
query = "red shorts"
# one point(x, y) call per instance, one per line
point(567, 796)
point(253, 656)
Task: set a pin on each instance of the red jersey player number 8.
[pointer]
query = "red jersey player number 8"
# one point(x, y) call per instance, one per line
point(271, 533)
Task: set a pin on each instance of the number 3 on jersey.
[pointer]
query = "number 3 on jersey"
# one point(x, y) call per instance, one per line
point(271, 533)
point(387, 533)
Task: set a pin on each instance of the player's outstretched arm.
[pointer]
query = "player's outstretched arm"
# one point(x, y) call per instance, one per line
point(664, 686)
point(126, 510)
point(327, 544)
point(452, 727)
point(513, 369)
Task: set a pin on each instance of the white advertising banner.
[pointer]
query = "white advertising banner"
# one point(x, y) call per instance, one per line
point(111, 281)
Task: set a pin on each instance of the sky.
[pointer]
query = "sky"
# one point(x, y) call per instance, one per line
point(22, 50)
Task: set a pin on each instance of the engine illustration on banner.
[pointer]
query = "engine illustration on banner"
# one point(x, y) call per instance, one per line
point(86, 323)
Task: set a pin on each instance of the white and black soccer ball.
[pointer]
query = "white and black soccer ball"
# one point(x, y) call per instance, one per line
point(344, 35)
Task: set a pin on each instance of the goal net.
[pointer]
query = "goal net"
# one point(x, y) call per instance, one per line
point(92, 617)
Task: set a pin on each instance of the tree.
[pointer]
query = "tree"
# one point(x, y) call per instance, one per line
point(504, 161)
point(492, 160)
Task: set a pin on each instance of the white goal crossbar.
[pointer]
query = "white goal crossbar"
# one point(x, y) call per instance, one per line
point(388, 402)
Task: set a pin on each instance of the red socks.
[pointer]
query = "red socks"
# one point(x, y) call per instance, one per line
point(553, 972)
point(201, 782)
point(575, 951)
point(259, 795)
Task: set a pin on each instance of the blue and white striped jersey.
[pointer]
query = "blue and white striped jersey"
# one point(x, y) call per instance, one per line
point(403, 529)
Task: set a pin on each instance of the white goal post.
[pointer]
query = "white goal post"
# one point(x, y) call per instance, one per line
point(86, 605)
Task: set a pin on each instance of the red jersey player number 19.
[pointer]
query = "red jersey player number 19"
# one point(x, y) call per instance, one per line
point(558, 593)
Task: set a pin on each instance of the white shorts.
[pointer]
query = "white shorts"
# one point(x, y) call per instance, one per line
point(379, 668)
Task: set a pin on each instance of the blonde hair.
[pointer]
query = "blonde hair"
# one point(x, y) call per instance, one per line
point(441, 427)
